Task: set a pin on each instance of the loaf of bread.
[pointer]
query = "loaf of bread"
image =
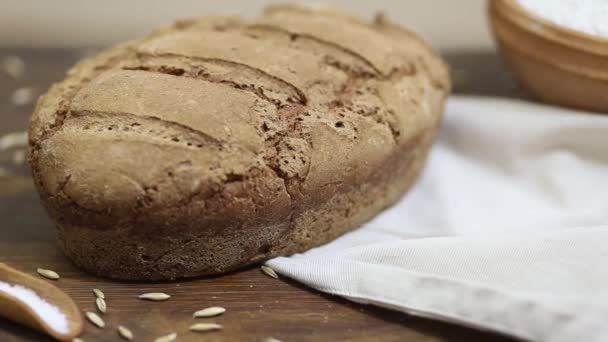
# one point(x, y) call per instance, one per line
point(221, 142)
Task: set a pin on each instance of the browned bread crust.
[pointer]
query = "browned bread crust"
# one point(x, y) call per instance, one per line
point(220, 142)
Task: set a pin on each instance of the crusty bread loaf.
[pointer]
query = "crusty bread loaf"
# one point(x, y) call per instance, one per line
point(220, 142)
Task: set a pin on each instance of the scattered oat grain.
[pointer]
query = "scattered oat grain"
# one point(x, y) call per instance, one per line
point(48, 274)
point(167, 338)
point(101, 305)
point(271, 339)
point(202, 327)
point(210, 312)
point(95, 319)
point(19, 157)
point(15, 139)
point(155, 296)
point(99, 294)
point(269, 272)
point(22, 96)
point(13, 66)
point(125, 333)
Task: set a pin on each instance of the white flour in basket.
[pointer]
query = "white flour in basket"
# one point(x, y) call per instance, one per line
point(588, 16)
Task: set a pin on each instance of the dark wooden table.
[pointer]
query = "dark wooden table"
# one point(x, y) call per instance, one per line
point(258, 306)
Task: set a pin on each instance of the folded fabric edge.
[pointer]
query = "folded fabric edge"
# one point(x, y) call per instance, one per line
point(480, 100)
point(443, 299)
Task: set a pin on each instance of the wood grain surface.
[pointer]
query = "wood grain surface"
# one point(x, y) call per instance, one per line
point(257, 306)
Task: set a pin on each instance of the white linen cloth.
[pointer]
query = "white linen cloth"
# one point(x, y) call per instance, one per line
point(503, 231)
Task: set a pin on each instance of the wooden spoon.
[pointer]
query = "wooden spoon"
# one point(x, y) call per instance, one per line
point(17, 311)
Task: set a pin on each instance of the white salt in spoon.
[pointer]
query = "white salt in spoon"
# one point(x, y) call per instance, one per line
point(38, 304)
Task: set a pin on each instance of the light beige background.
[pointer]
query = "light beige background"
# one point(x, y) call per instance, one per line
point(446, 23)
